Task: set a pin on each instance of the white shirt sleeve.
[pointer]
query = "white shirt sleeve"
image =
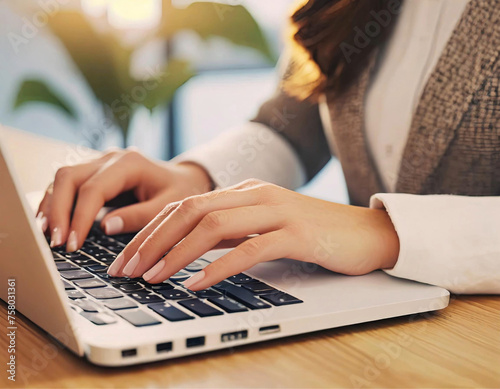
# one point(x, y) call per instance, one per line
point(252, 150)
point(445, 240)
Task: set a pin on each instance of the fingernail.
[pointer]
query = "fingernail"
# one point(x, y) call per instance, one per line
point(42, 221)
point(72, 243)
point(44, 224)
point(153, 272)
point(116, 265)
point(194, 279)
point(56, 238)
point(132, 264)
point(113, 225)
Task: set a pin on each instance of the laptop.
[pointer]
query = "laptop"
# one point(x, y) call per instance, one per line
point(121, 321)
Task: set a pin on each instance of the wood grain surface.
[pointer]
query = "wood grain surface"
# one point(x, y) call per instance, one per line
point(456, 347)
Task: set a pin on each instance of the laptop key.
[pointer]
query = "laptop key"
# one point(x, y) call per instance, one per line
point(76, 274)
point(75, 294)
point(228, 305)
point(259, 288)
point(63, 266)
point(115, 281)
point(241, 279)
point(137, 317)
point(180, 276)
point(97, 268)
point(197, 265)
point(114, 248)
point(174, 294)
point(67, 285)
point(206, 293)
point(86, 305)
point(165, 285)
point(129, 288)
point(103, 275)
point(281, 298)
point(145, 297)
point(242, 295)
point(200, 308)
point(123, 303)
point(90, 283)
point(107, 260)
point(85, 261)
point(170, 312)
point(99, 318)
point(104, 293)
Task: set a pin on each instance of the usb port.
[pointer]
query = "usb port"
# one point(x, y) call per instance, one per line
point(164, 347)
point(269, 329)
point(195, 342)
point(132, 352)
point(230, 336)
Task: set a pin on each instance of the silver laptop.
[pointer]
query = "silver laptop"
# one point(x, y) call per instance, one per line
point(119, 321)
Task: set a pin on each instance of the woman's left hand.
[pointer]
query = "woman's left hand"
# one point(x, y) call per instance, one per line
point(342, 238)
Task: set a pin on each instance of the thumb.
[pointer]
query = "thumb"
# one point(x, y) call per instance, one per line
point(131, 218)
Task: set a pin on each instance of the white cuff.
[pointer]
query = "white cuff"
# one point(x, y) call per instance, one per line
point(445, 240)
point(250, 151)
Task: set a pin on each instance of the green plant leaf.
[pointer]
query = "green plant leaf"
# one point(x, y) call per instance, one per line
point(161, 89)
point(37, 91)
point(232, 22)
point(100, 57)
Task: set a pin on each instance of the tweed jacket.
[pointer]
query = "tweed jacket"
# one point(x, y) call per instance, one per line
point(454, 142)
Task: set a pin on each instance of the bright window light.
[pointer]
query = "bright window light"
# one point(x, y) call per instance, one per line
point(134, 14)
point(96, 8)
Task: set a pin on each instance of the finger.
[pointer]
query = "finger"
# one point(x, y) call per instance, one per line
point(182, 220)
point(131, 218)
point(107, 183)
point(115, 269)
point(267, 247)
point(44, 208)
point(66, 182)
point(213, 228)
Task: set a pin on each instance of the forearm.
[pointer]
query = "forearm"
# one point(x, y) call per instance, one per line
point(250, 151)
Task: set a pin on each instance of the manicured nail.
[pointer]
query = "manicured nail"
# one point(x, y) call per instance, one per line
point(191, 281)
point(132, 264)
point(153, 272)
point(42, 221)
point(116, 265)
point(113, 225)
point(72, 243)
point(56, 238)
point(44, 224)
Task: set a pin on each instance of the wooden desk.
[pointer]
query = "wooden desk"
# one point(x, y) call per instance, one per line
point(456, 347)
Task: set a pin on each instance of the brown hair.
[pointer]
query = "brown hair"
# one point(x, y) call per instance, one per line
point(333, 40)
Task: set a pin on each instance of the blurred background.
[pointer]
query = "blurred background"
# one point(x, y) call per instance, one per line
point(162, 75)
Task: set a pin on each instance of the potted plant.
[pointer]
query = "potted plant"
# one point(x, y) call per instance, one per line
point(104, 61)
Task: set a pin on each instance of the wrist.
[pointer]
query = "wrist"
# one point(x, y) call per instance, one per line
point(199, 175)
point(388, 239)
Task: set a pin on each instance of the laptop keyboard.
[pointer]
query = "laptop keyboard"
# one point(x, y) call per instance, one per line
point(105, 300)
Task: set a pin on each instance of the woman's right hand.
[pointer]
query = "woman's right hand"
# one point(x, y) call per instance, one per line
point(88, 186)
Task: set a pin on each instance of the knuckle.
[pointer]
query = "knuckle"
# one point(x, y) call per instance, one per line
point(214, 220)
point(252, 182)
point(251, 248)
point(131, 155)
point(187, 207)
point(151, 242)
point(63, 173)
